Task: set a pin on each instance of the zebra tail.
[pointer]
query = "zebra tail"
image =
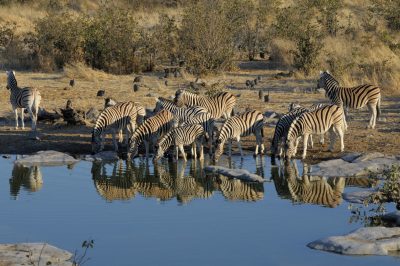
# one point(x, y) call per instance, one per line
point(378, 109)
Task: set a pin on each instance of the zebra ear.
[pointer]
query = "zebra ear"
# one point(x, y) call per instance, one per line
point(328, 72)
point(320, 72)
point(157, 99)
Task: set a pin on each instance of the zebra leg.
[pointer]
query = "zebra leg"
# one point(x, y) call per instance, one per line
point(344, 122)
point(194, 151)
point(33, 118)
point(22, 119)
point(321, 139)
point(372, 121)
point(340, 132)
point(230, 148)
point(305, 142)
point(201, 151)
point(16, 117)
point(176, 153)
point(240, 147)
point(311, 142)
point(183, 152)
point(332, 136)
point(146, 146)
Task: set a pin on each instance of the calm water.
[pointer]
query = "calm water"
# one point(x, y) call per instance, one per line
point(168, 214)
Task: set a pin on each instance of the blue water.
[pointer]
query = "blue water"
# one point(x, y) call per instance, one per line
point(165, 221)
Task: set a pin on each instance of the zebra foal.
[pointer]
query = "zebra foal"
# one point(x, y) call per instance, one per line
point(353, 97)
point(119, 117)
point(152, 129)
point(23, 98)
point(328, 118)
point(241, 125)
point(179, 137)
point(220, 105)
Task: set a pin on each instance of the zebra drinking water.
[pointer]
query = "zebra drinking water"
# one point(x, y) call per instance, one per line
point(23, 98)
point(179, 137)
point(219, 105)
point(241, 125)
point(353, 97)
point(119, 117)
point(151, 130)
point(328, 118)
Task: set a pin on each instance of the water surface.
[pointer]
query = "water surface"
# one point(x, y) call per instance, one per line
point(173, 214)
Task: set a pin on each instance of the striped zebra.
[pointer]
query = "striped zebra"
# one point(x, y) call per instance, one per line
point(151, 130)
point(282, 127)
point(120, 117)
point(208, 124)
point(179, 137)
point(353, 97)
point(220, 105)
point(235, 190)
point(181, 114)
point(30, 178)
point(328, 118)
point(23, 98)
point(315, 190)
point(241, 125)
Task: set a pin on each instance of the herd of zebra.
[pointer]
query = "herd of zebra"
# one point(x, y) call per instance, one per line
point(192, 119)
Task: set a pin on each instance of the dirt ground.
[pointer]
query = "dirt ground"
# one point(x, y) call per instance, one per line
point(55, 91)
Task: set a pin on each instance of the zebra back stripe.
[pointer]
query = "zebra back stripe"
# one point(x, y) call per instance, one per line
point(218, 105)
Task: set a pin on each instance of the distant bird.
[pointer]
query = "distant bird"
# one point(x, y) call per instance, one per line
point(255, 82)
point(166, 82)
point(101, 93)
point(247, 83)
point(138, 79)
point(259, 78)
point(72, 82)
point(135, 87)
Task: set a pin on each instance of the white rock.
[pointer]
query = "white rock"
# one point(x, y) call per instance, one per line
point(47, 158)
point(351, 157)
point(102, 156)
point(363, 241)
point(40, 254)
point(392, 217)
point(358, 196)
point(234, 173)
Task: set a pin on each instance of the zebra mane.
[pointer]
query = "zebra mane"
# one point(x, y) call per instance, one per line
point(328, 77)
point(11, 79)
point(293, 127)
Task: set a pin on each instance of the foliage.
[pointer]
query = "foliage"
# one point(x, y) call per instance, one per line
point(390, 191)
point(81, 259)
point(390, 10)
point(206, 37)
point(59, 39)
point(308, 48)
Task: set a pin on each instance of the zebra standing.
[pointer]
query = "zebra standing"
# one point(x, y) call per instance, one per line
point(282, 127)
point(119, 117)
point(179, 137)
point(353, 97)
point(241, 125)
point(181, 114)
point(329, 117)
point(152, 129)
point(219, 105)
point(23, 98)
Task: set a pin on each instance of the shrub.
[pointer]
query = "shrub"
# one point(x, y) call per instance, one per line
point(206, 37)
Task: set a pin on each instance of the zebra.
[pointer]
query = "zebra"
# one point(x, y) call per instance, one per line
point(236, 190)
point(152, 129)
point(181, 114)
point(181, 136)
point(220, 105)
point(318, 190)
point(282, 127)
point(119, 117)
point(23, 98)
point(328, 118)
point(241, 125)
point(208, 124)
point(353, 97)
point(28, 177)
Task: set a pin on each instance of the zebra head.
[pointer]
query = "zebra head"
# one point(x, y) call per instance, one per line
point(159, 153)
point(179, 97)
point(293, 106)
point(218, 150)
point(290, 148)
point(11, 80)
point(326, 81)
point(133, 148)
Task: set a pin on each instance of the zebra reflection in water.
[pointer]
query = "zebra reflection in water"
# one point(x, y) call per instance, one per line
point(30, 178)
point(289, 184)
point(123, 180)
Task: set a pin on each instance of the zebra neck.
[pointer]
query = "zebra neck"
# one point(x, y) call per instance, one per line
point(297, 130)
point(167, 141)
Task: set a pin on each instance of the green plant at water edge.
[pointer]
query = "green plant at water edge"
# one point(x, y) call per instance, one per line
point(390, 191)
point(81, 259)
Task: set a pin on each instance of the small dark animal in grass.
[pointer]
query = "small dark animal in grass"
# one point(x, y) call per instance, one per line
point(138, 79)
point(101, 93)
point(72, 82)
point(135, 87)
